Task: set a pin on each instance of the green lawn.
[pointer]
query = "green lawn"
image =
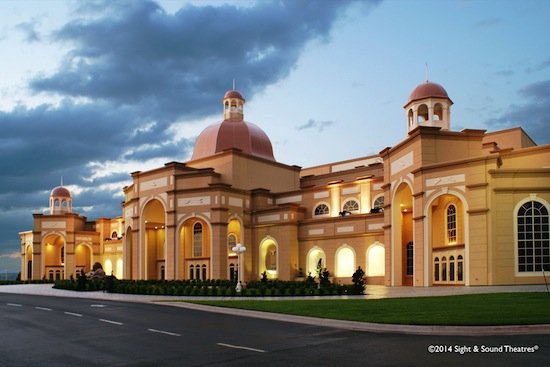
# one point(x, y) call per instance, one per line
point(479, 309)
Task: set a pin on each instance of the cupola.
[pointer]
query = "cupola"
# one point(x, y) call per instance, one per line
point(61, 201)
point(428, 105)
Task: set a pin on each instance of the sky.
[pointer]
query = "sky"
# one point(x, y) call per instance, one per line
point(92, 91)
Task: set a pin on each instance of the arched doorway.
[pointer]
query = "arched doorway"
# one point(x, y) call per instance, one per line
point(54, 256)
point(233, 238)
point(402, 236)
point(345, 262)
point(269, 258)
point(154, 238)
point(129, 253)
point(447, 240)
point(194, 249)
point(83, 258)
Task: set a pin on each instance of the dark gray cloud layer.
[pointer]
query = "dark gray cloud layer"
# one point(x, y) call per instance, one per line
point(136, 65)
point(533, 115)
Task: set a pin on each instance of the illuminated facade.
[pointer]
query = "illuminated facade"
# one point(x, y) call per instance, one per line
point(441, 207)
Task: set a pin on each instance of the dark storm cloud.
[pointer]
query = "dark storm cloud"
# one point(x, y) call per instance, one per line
point(137, 67)
point(179, 64)
point(533, 115)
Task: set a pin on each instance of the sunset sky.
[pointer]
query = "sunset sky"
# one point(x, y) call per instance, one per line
point(91, 91)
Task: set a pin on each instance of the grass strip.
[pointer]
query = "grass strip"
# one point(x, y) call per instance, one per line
point(474, 310)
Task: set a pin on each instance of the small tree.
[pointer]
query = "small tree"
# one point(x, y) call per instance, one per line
point(264, 277)
point(324, 280)
point(358, 279)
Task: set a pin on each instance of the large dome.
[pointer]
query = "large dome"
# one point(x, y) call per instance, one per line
point(242, 135)
point(233, 133)
point(428, 90)
point(60, 191)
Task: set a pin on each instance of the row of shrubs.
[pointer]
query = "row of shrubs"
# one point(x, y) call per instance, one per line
point(256, 288)
point(207, 288)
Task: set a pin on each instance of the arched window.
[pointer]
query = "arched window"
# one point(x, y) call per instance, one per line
point(191, 272)
point(50, 275)
point(379, 203)
point(114, 235)
point(460, 268)
point(231, 242)
point(351, 206)
point(64, 203)
point(321, 209)
point(62, 255)
point(451, 223)
point(56, 203)
point(422, 113)
point(197, 240)
point(162, 272)
point(204, 272)
point(444, 269)
point(452, 268)
point(438, 112)
point(197, 272)
point(533, 237)
point(436, 269)
point(411, 118)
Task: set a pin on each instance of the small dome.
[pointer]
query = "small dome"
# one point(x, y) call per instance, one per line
point(233, 94)
point(427, 90)
point(61, 191)
point(242, 135)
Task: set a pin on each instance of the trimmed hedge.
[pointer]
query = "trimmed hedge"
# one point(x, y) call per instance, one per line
point(205, 288)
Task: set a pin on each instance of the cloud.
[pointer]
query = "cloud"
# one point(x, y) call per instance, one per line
point(313, 124)
point(488, 22)
point(13, 255)
point(541, 66)
point(133, 71)
point(533, 115)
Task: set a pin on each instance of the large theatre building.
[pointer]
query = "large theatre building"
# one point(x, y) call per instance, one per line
point(441, 207)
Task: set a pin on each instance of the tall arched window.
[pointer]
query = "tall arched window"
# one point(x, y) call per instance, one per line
point(197, 240)
point(436, 269)
point(422, 113)
point(533, 237)
point(204, 277)
point(191, 272)
point(345, 262)
point(351, 206)
point(444, 269)
point(451, 223)
point(438, 112)
point(321, 209)
point(231, 242)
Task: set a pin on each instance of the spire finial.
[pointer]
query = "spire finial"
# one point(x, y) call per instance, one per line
point(427, 74)
point(233, 83)
point(61, 180)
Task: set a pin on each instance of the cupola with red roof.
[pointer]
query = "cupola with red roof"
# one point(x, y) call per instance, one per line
point(428, 105)
point(61, 200)
point(233, 133)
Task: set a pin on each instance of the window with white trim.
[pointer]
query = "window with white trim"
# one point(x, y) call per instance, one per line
point(351, 206)
point(533, 237)
point(379, 202)
point(451, 223)
point(321, 209)
point(197, 240)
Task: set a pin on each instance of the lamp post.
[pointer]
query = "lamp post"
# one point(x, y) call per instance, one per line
point(239, 250)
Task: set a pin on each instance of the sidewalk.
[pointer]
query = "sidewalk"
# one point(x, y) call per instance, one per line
point(373, 292)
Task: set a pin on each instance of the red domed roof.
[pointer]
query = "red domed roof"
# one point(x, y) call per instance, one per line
point(242, 135)
point(233, 94)
point(428, 90)
point(61, 191)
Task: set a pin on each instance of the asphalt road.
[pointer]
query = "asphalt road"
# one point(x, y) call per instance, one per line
point(50, 331)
